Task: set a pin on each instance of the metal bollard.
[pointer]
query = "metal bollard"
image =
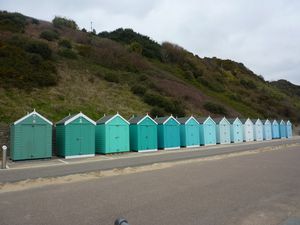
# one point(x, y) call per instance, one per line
point(121, 221)
point(4, 157)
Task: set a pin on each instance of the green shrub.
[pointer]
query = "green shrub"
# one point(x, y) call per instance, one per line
point(14, 22)
point(35, 21)
point(84, 50)
point(65, 43)
point(40, 48)
point(138, 90)
point(67, 53)
point(215, 108)
point(49, 35)
point(112, 77)
point(157, 111)
point(248, 84)
point(64, 22)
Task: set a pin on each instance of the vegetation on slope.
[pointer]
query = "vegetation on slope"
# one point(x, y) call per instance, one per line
point(57, 69)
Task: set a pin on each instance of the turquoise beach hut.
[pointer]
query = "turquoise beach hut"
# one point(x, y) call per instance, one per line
point(143, 134)
point(112, 134)
point(289, 129)
point(258, 130)
point(168, 133)
point(267, 129)
point(75, 136)
point(248, 130)
point(282, 129)
point(236, 130)
point(189, 132)
point(223, 130)
point(207, 131)
point(275, 129)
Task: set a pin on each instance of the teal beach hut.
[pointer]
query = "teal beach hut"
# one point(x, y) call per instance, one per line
point(168, 133)
point(31, 137)
point(258, 130)
point(143, 134)
point(275, 129)
point(267, 129)
point(223, 130)
point(282, 129)
point(289, 129)
point(236, 130)
point(75, 136)
point(112, 134)
point(207, 131)
point(248, 130)
point(189, 132)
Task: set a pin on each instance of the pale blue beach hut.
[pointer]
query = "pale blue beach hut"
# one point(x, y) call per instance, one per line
point(223, 130)
point(267, 129)
point(257, 130)
point(236, 130)
point(207, 131)
point(282, 129)
point(289, 129)
point(275, 129)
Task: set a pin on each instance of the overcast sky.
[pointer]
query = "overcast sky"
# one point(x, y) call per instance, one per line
point(262, 34)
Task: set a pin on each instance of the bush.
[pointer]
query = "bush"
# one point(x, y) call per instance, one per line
point(112, 77)
point(14, 22)
point(65, 43)
point(215, 108)
point(157, 111)
point(40, 48)
point(248, 84)
point(138, 90)
point(35, 21)
point(49, 35)
point(67, 53)
point(84, 50)
point(64, 22)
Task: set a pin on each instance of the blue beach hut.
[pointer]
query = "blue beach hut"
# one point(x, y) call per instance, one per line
point(275, 129)
point(282, 129)
point(189, 132)
point(236, 130)
point(143, 134)
point(223, 130)
point(267, 129)
point(257, 130)
point(289, 129)
point(168, 133)
point(207, 131)
point(248, 130)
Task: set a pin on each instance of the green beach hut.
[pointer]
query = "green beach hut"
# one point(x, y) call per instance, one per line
point(31, 137)
point(75, 136)
point(112, 134)
point(143, 134)
point(168, 133)
point(189, 132)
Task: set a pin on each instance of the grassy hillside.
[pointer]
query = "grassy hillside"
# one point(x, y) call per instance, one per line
point(58, 69)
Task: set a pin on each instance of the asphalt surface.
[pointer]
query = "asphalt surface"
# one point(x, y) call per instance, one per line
point(256, 189)
point(13, 175)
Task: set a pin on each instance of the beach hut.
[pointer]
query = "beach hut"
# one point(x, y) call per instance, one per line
point(223, 130)
point(289, 129)
point(236, 130)
point(168, 132)
point(189, 132)
point(258, 130)
point(247, 130)
point(143, 134)
point(267, 129)
point(112, 134)
point(207, 131)
point(75, 136)
point(282, 129)
point(31, 137)
point(275, 129)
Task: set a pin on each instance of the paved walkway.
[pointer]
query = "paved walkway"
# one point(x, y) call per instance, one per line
point(32, 169)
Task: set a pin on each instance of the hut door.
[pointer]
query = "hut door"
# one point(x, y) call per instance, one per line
point(39, 141)
point(144, 137)
point(190, 137)
point(28, 141)
point(76, 139)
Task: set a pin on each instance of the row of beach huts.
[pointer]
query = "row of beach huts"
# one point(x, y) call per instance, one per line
point(79, 136)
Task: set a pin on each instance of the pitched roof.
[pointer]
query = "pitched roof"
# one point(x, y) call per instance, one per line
point(70, 118)
point(163, 120)
point(138, 119)
point(201, 120)
point(107, 119)
point(30, 114)
point(264, 121)
point(219, 119)
point(184, 120)
point(231, 120)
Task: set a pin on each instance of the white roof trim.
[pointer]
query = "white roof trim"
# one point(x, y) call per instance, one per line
point(282, 121)
point(115, 117)
point(147, 116)
point(267, 121)
point(289, 122)
point(248, 119)
point(209, 118)
point(30, 114)
point(238, 120)
point(226, 120)
point(77, 116)
point(171, 117)
point(191, 117)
